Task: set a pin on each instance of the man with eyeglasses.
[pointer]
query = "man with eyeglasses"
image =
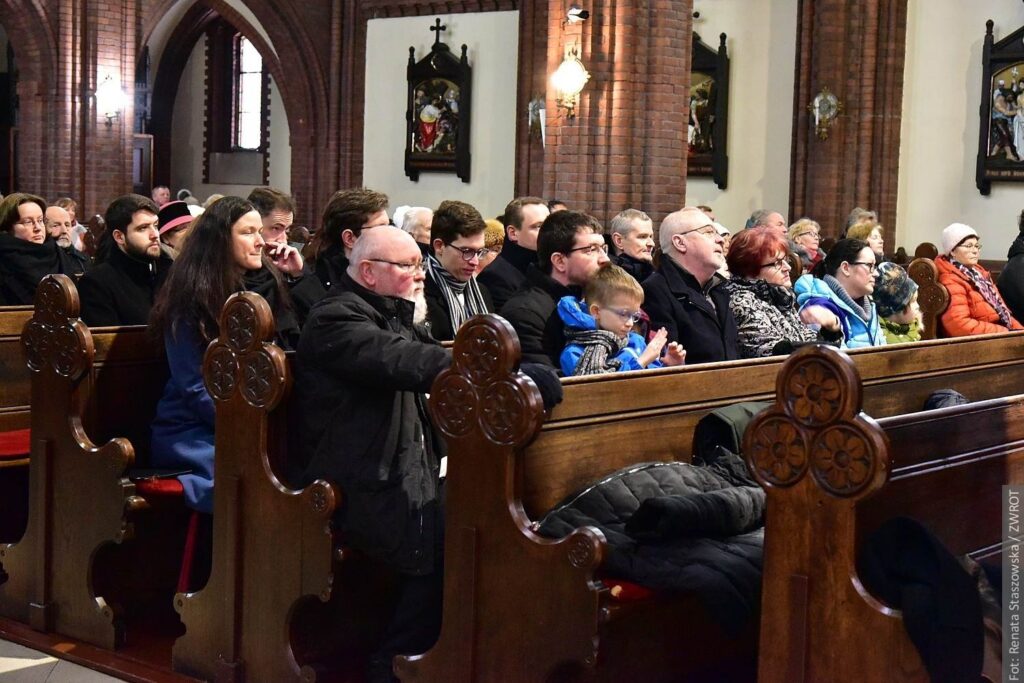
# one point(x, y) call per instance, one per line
point(570, 249)
point(507, 273)
point(452, 291)
point(685, 295)
point(26, 256)
point(362, 370)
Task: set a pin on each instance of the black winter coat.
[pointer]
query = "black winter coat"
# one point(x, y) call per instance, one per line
point(361, 372)
point(673, 299)
point(120, 291)
point(531, 312)
point(507, 273)
point(330, 264)
point(23, 264)
point(638, 268)
point(437, 310)
point(1011, 278)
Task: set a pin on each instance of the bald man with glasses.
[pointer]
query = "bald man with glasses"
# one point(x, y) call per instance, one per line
point(685, 294)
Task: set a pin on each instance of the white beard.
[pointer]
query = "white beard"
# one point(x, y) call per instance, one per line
point(420, 314)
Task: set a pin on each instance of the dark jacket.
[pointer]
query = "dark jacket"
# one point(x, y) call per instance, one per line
point(286, 321)
point(330, 264)
point(638, 268)
point(361, 372)
point(531, 312)
point(507, 273)
point(23, 264)
point(1011, 278)
point(305, 291)
point(437, 310)
point(674, 300)
point(120, 291)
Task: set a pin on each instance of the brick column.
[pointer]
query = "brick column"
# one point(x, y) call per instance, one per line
point(857, 51)
point(627, 145)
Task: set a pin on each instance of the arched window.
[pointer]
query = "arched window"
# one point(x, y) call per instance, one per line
point(249, 96)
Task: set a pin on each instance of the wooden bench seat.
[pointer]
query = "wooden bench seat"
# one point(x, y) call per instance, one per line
point(14, 423)
point(833, 475)
point(508, 466)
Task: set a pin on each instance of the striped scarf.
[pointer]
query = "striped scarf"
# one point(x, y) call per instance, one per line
point(599, 350)
point(451, 288)
point(987, 289)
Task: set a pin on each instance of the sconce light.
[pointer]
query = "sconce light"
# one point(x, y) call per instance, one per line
point(110, 99)
point(568, 80)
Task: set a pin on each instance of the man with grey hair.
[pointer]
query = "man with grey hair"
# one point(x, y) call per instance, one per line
point(685, 295)
point(858, 214)
point(773, 220)
point(416, 220)
point(633, 237)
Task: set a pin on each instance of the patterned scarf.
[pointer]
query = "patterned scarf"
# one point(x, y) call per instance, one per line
point(863, 310)
point(451, 288)
point(779, 296)
point(987, 289)
point(598, 347)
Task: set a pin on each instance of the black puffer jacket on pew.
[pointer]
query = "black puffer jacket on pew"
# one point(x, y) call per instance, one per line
point(680, 528)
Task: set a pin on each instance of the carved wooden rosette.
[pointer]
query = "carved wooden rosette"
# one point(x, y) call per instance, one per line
point(54, 338)
point(483, 387)
point(243, 358)
point(932, 297)
point(816, 426)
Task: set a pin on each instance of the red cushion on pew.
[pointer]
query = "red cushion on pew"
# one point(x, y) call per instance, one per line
point(153, 488)
point(15, 444)
point(627, 590)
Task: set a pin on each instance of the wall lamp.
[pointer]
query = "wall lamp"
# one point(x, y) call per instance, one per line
point(110, 99)
point(568, 80)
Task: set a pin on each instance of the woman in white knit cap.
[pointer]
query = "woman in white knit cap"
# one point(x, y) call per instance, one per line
point(975, 306)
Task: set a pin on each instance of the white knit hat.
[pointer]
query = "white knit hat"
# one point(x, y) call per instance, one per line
point(954, 234)
point(398, 218)
point(721, 229)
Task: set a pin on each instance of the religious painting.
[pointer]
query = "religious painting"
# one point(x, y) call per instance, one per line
point(437, 118)
point(709, 113)
point(1001, 130)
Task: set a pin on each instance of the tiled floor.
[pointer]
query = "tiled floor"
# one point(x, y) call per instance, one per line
point(21, 665)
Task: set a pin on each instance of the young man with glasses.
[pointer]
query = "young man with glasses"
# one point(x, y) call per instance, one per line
point(26, 256)
point(570, 249)
point(685, 295)
point(452, 291)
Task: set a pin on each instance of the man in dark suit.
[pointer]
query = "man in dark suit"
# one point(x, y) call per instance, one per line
point(507, 273)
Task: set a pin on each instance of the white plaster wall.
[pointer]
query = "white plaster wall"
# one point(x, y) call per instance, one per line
point(162, 32)
point(493, 40)
point(188, 128)
point(761, 38)
point(939, 135)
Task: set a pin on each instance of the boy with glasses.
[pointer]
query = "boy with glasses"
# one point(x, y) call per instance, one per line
point(600, 336)
point(452, 291)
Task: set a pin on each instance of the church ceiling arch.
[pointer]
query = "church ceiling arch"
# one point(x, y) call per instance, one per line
point(34, 43)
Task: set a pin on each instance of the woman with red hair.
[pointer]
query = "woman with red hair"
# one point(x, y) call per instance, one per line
point(762, 301)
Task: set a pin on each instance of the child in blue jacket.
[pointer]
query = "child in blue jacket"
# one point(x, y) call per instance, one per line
point(599, 330)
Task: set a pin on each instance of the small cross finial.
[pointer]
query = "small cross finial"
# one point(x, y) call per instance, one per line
point(437, 27)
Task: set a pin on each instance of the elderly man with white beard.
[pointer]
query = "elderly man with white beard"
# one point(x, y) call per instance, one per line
point(364, 366)
point(60, 227)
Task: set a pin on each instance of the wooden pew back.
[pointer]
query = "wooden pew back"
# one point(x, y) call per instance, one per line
point(833, 475)
point(84, 386)
point(14, 375)
point(932, 297)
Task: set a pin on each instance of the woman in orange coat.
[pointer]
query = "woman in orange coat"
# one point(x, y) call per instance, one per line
point(975, 306)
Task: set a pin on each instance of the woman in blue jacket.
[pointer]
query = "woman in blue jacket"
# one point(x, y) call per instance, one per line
point(220, 257)
point(843, 283)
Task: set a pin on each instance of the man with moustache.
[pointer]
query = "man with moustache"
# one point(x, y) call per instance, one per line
point(685, 295)
point(60, 228)
point(120, 289)
point(452, 291)
point(633, 238)
point(363, 368)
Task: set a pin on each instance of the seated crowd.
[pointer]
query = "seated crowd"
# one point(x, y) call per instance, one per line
point(367, 300)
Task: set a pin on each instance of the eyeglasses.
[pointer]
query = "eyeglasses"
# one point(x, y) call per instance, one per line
point(781, 264)
point(591, 249)
point(708, 231)
point(633, 316)
point(29, 222)
point(418, 267)
point(469, 254)
point(972, 245)
point(870, 264)
point(810, 233)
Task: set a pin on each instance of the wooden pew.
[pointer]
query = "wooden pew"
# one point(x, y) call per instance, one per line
point(285, 601)
point(932, 297)
point(14, 423)
point(832, 475)
point(507, 467)
point(68, 571)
